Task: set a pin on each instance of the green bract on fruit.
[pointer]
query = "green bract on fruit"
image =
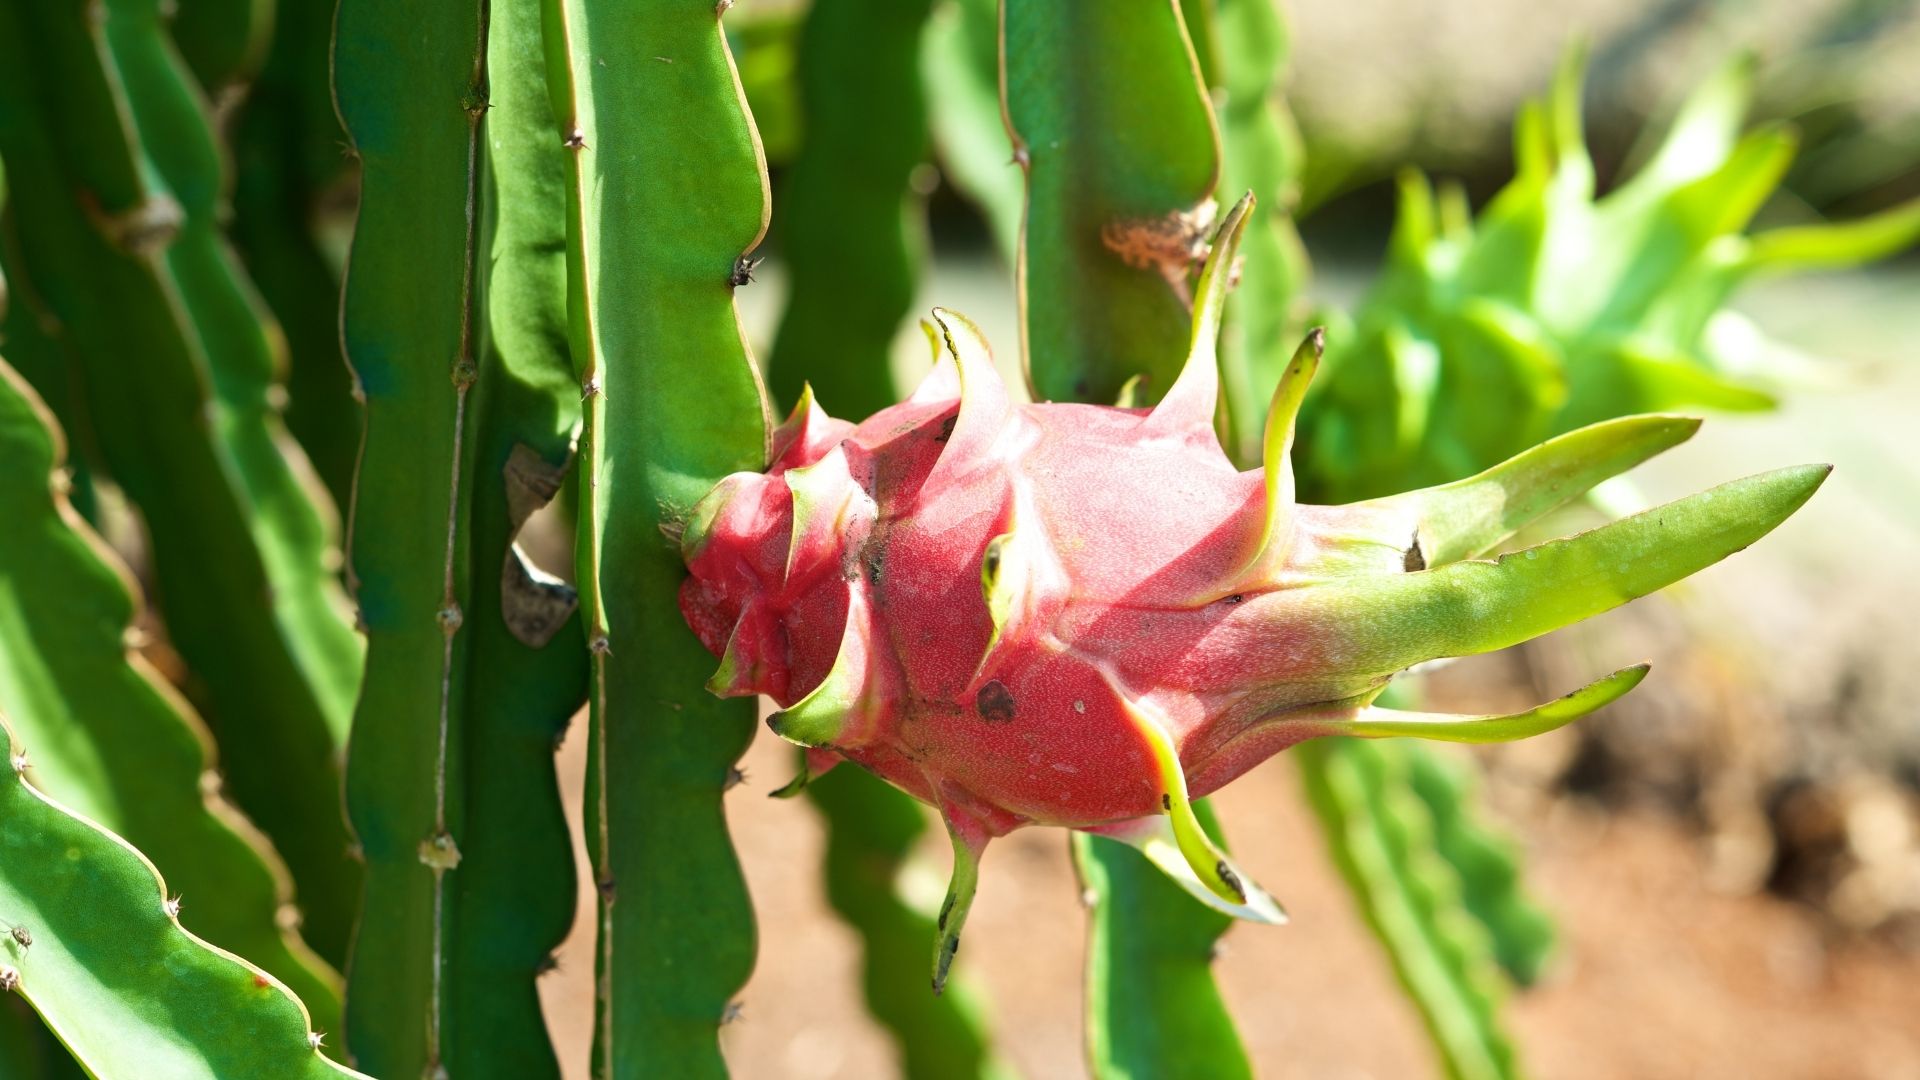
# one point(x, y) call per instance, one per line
point(1087, 616)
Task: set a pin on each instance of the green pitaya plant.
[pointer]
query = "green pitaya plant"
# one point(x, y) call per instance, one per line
point(1555, 308)
point(1089, 611)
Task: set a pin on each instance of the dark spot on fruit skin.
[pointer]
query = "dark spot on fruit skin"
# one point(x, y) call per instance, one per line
point(874, 558)
point(1166, 802)
point(946, 428)
point(1234, 599)
point(1232, 880)
point(994, 703)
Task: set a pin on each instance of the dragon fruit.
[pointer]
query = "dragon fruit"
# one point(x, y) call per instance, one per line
point(1087, 616)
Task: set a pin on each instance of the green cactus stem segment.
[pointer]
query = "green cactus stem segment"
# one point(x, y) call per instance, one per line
point(1486, 860)
point(1379, 835)
point(117, 185)
point(224, 43)
point(852, 227)
point(666, 194)
point(1111, 125)
point(120, 982)
point(287, 168)
point(961, 65)
point(1152, 1006)
point(413, 93)
point(114, 741)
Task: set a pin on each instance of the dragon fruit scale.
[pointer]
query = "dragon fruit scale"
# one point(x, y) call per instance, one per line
point(1086, 616)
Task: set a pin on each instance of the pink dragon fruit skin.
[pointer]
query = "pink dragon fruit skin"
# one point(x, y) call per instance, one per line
point(1086, 616)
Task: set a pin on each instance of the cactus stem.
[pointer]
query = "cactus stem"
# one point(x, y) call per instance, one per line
point(439, 852)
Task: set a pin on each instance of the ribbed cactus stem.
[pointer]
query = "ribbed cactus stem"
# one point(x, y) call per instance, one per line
point(123, 251)
point(94, 940)
point(666, 200)
point(410, 321)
